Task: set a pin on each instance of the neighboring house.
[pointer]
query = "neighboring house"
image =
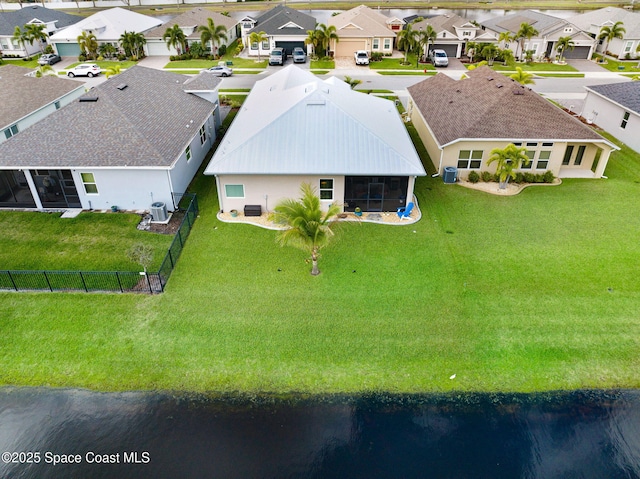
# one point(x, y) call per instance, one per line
point(25, 99)
point(189, 23)
point(294, 128)
point(107, 26)
point(592, 22)
point(461, 121)
point(284, 27)
point(363, 28)
point(53, 20)
point(615, 107)
point(550, 30)
point(453, 33)
point(136, 139)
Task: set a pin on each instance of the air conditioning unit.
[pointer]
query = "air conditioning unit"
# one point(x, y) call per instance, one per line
point(159, 211)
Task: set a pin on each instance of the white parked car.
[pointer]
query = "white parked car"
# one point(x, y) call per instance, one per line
point(84, 70)
point(361, 57)
point(439, 58)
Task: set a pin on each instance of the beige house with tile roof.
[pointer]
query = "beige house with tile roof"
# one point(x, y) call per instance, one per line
point(461, 121)
point(363, 28)
point(189, 23)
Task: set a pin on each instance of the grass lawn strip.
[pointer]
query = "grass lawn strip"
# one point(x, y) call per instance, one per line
point(556, 309)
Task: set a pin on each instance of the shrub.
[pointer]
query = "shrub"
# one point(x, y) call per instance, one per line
point(473, 177)
point(222, 50)
point(529, 177)
point(48, 49)
point(239, 49)
point(519, 178)
point(487, 177)
point(122, 57)
point(548, 176)
point(376, 56)
point(82, 57)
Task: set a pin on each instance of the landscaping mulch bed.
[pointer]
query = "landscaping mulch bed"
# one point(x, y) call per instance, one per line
point(170, 228)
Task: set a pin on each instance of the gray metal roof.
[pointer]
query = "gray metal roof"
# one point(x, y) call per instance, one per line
point(21, 95)
point(272, 21)
point(18, 18)
point(626, 94)
point(194, 17)
point(147, 124)
point(293, 123)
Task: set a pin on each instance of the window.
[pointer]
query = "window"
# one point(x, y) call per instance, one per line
point(234, 191)
point(326, 189)
point(12, 130)
point(567, 155)
point(547, 144)
point(57, 105)
point(532, 144)
point(376, 44)
point(580, 154)
point(203, 135)
point(89, 183)
point(568, 29)
point(627, 47)
point(517, 143)
point(470, 159)
point(625, 120)
point(543, 160)
point(466, 33)
point(254, 46)
point(187, 153)
point(247, 25)
point(387, 44)
point(265, 45)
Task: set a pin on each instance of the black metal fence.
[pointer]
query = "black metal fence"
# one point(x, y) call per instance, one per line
point(108, 281)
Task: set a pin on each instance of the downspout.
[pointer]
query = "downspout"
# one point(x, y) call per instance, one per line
point(220, 197)
point(173, 198)
point(439, 165)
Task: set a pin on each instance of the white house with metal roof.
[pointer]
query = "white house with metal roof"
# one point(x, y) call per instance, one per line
point(593, 21)
point(615, 107)
point(134, 140)
point(294, 128)
point(107, 26)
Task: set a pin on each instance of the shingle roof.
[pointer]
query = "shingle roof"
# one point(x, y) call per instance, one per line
point(108, 25)
point(593, 20)
point(361, 21)
point(147, 124)
point(21, 95)
point(511, 23)
point(295, 123)
point(489, 105)
point(441, 23)
point(18, 18)
point(625, 94)
point(196, 17)
point(272, 21)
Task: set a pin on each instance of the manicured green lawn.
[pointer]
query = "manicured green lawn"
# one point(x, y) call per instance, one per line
point(396, 64)
point(533, 292)
point(200, 64)
point(619, 66)
point(89, 242)
point(33, 63)
point(532, 67)
point(322, 65)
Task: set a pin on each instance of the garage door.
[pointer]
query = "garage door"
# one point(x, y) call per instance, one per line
point(450, 50)
point(289, 46)
point(68, 49)
point(159, 49)
point(346, 48)
point(578, 52)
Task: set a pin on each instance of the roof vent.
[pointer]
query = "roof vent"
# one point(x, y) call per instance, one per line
point(498, 85)
point(122, 86)
point(489, 78)
point(458, 91)
point(518, 91)
point(316, 102)
point(88, 98)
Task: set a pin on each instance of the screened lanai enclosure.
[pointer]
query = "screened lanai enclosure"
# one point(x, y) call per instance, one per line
point(375, 193)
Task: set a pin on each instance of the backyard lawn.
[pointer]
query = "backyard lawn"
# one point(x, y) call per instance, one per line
point(533, 292)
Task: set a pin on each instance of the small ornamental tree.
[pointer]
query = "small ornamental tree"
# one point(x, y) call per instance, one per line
point(508, 159)
point(141, 254)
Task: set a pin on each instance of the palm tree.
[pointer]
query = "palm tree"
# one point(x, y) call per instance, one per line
point(563, 44)
point(472, 49)
point(505, 38)
point(20, 37)
point(132, 43)
point(107, 50)
point(309, 228)
point(45, 70)
point(522, 77)
point(112, 71)
point(507, 56)
point(609, 33)
point(175, 37)
point(509, 159)
point(312, 39)
point(258, 38)
point(353, 83)
point(35, 32)
point(88, 44)
point(426, 37)
point(490, 52)
point(526, 32)
point(325, 35)
point(212, 33)
point(406, 40)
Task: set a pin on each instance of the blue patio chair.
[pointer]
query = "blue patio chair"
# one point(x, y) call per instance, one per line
point(405, 211)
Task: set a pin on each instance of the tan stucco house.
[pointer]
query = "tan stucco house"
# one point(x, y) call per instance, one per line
point(294, 128)
point(363, 28)
point(461, 121)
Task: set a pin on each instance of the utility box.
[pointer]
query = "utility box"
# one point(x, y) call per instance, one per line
point(450, 174)
point(159, 211)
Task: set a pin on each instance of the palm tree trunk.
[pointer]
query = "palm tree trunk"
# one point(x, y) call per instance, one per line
point(314, 261)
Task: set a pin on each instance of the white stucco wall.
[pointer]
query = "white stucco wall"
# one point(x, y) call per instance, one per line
point(608, 116)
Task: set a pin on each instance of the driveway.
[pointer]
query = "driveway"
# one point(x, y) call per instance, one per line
point(586, 66)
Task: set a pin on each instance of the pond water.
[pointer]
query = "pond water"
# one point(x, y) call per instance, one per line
point(583, 434)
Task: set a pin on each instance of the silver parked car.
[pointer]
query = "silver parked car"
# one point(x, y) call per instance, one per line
point(299, 56)
point(48, 59)
point(439, 58)
point(220, 71)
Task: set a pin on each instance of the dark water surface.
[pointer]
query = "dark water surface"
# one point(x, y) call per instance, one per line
point(582, 434)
